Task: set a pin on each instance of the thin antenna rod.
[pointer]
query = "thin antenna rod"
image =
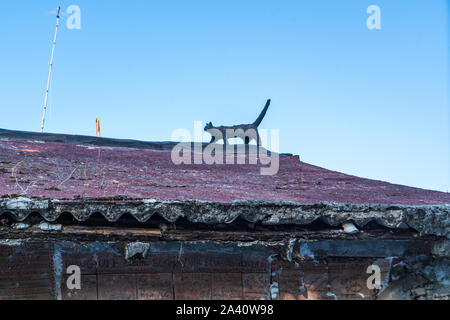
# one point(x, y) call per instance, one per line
point(50, 71)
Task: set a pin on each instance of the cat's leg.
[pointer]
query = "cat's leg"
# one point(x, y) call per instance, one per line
point(258, 140)
point(225, 138)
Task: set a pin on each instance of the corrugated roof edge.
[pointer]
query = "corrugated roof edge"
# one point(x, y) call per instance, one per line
point(428, 220)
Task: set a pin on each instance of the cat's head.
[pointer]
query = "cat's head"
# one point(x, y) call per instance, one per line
point(209, 126)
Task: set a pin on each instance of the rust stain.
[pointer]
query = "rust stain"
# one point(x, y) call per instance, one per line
point(30, 150)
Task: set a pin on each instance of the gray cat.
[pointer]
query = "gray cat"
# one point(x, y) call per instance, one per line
point(246, 132)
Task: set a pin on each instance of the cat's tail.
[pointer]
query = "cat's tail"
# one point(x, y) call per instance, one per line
point(262, 115)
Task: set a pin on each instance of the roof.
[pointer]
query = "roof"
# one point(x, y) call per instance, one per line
point(38, 166)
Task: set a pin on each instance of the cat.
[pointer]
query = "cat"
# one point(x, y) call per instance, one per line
point(246, 132)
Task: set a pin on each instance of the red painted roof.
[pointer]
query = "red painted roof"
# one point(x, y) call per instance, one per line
point(68, 170)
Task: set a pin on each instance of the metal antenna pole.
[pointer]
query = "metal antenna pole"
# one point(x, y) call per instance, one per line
point(50, 71)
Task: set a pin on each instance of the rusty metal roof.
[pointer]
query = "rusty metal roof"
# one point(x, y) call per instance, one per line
point(69, 167)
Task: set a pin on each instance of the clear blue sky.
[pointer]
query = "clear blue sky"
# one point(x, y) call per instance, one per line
point(369, 103)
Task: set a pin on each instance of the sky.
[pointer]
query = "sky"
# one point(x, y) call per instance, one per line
point(370, 103)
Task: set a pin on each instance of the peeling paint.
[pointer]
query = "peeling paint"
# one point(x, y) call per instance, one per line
point(332, 295)
point(44, 226)
point(441, 249)
point(21, 226)
point(350, 228)
point(12, 243)
point(23, 203)
point(274, 290)
point(58, 273)
point(290, 249)
point(136, 250)
point(305, 252)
